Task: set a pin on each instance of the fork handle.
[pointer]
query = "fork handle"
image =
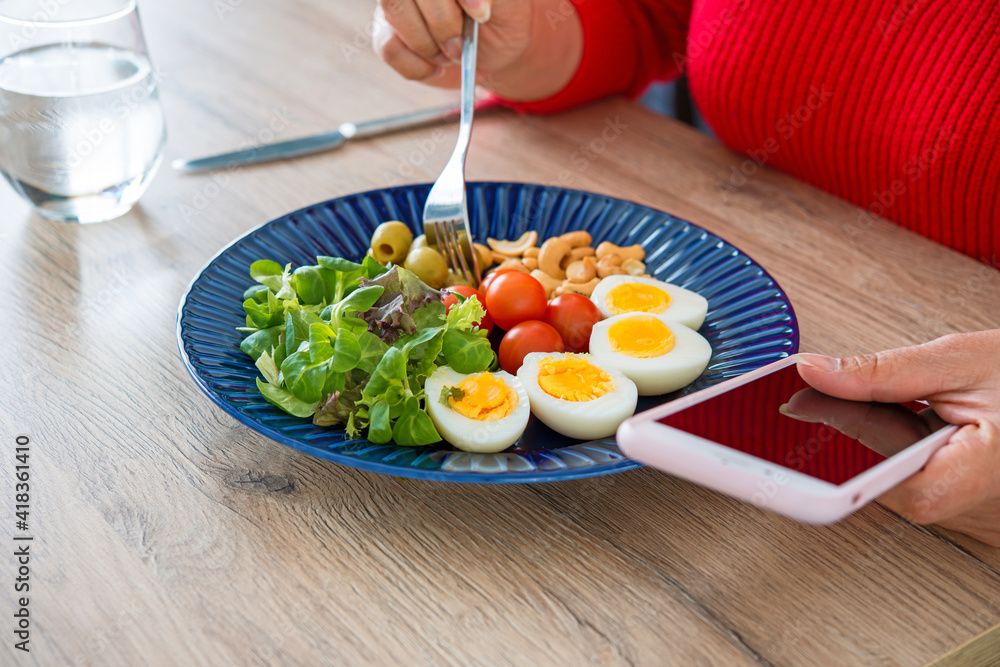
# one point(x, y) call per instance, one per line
point(470, 41)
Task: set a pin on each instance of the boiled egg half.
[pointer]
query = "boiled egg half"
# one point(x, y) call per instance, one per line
point(659, 355)
point(482, 413)
point(576, 394)
point(616, 295)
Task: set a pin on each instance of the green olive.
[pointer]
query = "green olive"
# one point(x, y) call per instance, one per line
point(430, 240)
point(420, 242)
point(428, 265)
point(391, 242)
point(456, 279)
point(429, 236)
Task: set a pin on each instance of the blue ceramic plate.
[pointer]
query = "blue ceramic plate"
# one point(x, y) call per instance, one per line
point(750, 321)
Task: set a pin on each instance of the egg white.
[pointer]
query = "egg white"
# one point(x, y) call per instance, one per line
point(470, 435)
point(585, 420)
point(686, 307)
point(656, 375)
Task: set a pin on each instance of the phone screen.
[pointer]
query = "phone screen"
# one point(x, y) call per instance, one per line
point(780, 419)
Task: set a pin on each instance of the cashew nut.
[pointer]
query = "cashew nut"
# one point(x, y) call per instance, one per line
point(630, 252)
point(484, 255)
point(610, 265)
point(500, 258)
point(548, 282)
point(514, 248)
point(633, 267)
point(531, 252)
point(585, 289)
point(577, 239)
point(515, 264)
point(582, 271)
point(531, 263)
point(576, 254)
point(551, 254)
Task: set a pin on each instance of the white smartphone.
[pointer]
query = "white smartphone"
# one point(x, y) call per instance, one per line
point(768, 438)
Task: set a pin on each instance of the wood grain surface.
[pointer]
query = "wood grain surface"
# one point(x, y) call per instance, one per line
point(169, 534)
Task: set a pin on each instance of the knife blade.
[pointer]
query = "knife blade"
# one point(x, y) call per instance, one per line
point(326, 141)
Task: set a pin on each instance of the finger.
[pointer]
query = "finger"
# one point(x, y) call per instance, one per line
point(406, 62)
point(480, 10)
point(950, 363)
point(884, 428)
point(405, 18)
point(932, 419)
point(444, 22)
point(892, 376)
point(958, 478)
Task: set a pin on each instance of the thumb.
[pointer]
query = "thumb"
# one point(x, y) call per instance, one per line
point(892, 376)
point(478, 9)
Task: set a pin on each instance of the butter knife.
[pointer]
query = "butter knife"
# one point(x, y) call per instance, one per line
point(326, 141)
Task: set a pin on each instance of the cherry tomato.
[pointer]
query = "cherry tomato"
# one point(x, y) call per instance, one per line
point(488, 280)
point(573, 316)
point(527, 337)
point(515, 297)
point(486, 324)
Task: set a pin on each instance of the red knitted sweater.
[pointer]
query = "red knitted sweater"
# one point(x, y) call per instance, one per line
point(893, 105)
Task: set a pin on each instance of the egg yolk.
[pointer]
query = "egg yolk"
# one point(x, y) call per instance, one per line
point(486, 398)
point(636, 298)
point(642, 337)
point(573, 379)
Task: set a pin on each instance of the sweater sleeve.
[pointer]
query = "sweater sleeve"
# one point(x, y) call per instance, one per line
point(627, 44)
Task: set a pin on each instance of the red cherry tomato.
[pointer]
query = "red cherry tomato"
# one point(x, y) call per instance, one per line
point(486, 324)
point(525, 338)
point(573, 316)
point(490, 277)
point(515, 297)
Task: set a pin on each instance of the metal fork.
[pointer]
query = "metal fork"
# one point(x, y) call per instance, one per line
point(446, 207)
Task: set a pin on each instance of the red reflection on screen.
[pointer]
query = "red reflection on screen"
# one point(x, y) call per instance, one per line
point(747, 419)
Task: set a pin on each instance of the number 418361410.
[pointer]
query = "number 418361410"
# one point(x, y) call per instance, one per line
point(21, 491)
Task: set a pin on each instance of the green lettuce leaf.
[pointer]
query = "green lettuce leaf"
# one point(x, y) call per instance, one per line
point(284, 399)
point(467, 351)
point(465, 315)
point(414, 428)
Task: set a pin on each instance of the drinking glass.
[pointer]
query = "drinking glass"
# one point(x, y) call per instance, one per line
point(81, 127)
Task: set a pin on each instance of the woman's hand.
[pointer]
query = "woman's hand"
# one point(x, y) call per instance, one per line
point(521, 56)
point(959, 375)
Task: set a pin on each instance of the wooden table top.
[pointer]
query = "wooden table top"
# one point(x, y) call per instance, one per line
point(168, 533)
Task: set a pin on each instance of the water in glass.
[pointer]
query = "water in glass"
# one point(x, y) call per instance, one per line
point(81, 128)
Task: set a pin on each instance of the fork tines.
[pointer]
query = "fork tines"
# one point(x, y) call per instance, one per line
point(449, 241)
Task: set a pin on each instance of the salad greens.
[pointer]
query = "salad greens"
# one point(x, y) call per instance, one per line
point(352, 344)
